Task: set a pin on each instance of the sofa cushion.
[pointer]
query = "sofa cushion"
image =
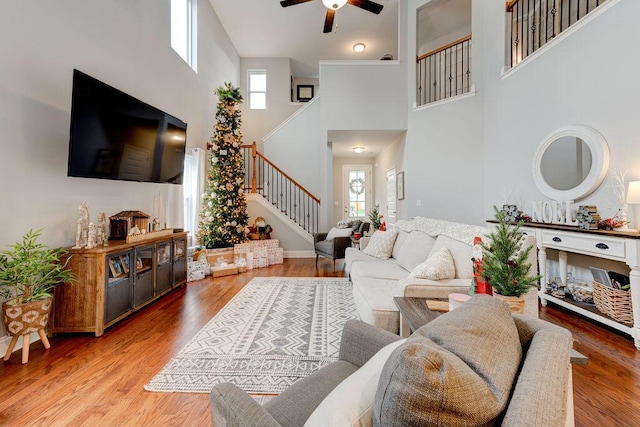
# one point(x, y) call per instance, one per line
point(381, 244)
point(415, 249)
point(382, 269)
point(351, 402)
point(438, 266)
point(456, 370)
point(461, 253)
point(402, 236)
point(374, 301)
point(324, 246)
point(339, 232)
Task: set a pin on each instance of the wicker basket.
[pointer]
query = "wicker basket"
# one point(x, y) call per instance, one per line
point(613, 302)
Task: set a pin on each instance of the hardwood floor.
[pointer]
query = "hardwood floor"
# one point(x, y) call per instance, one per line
point(88, 381)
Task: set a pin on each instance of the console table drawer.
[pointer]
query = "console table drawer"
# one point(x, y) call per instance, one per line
point(608, 247)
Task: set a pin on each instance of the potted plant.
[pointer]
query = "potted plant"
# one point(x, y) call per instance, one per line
point(28, 273)
point(375, 217)
point(504, 263)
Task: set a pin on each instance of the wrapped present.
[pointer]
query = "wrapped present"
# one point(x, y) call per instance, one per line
point(192, 276)
point(276, 256)
point(260, 262)
point(214, 256)
point(241, 248)
point(224, 270)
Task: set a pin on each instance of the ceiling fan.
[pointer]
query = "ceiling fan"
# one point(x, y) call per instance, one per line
point(333, 5)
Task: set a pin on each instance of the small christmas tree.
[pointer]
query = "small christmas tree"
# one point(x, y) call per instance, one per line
point(374, 217)
point(224, 219)
point(504, 263)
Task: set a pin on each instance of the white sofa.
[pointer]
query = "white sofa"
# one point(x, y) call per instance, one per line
point(376, 281)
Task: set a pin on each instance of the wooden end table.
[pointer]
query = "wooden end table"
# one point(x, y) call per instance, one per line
point(414, 313)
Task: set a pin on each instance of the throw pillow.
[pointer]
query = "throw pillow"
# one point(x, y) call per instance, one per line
point(461, 253)
point(381, 244)
point(438, 266)
point(351, 402)
point(338, 232)
point(415, 250)
point(456, 370)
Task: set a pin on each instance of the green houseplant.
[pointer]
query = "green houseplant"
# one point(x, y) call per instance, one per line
point(504, 263)
point(28, 273)
point(375, 217)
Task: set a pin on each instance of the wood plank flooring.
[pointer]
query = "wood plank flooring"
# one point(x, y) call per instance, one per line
point(88, 381)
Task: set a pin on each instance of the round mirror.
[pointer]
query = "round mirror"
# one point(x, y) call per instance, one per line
point(571, 163)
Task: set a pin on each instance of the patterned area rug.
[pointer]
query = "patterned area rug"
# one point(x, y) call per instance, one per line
point(273, 332)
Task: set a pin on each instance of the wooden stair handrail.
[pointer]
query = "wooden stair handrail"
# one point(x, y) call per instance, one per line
point(440, 49)
point(254, 154)
point(510, 4)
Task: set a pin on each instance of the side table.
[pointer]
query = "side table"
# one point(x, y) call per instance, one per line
point(414, 313)
point(355, 243)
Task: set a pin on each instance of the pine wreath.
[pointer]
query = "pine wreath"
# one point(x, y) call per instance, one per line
point(356, 186)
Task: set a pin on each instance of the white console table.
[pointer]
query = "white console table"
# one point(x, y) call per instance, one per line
point(614, 245)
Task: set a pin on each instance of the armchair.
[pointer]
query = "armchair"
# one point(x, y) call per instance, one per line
point(333, 244)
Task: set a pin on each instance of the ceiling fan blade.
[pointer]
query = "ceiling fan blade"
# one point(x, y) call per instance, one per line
point(286, 3)
point(328, 21)
point(367, 5)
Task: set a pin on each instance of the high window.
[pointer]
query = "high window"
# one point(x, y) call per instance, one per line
point(184, 30)
point(257, 82)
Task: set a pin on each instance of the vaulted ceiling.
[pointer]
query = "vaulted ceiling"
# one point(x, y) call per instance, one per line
point(264, 29)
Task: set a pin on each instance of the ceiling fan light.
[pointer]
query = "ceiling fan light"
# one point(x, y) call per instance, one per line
point(358, 150)
point(334, 4)
point(359, 47)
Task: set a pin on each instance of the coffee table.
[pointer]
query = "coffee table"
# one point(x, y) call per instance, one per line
point(414, 313)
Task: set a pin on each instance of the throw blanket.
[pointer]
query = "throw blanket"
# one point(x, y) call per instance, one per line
point(435, 227)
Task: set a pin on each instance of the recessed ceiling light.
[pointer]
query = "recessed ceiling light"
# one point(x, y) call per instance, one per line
point(358, 47)
point(358, 150)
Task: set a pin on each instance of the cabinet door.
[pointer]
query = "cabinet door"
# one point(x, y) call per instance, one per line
point(118, 292)
point(179, 261)
point(164, 278)
point(143, 276)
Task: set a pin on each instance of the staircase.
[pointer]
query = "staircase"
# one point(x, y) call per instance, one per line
point(264, 178)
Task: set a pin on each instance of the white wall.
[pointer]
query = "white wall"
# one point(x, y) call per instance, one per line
point(390, 157)
point(363, 95)
point(444, 145)
point(259, 123)
point(123, 43)
point(587, 78)
point(296, 146)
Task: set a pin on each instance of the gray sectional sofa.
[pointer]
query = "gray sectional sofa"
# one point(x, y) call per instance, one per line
point(376, 281)
point(476, 365)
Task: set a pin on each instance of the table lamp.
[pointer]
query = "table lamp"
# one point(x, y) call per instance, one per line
point(633, 197)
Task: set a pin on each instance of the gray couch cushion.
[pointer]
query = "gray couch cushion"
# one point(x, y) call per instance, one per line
point(415, 249)
point(461, 253)
point(456, 370)
point(325, 246)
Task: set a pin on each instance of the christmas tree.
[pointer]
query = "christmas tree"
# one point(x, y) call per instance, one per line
point(224, 219)
point(504, 263)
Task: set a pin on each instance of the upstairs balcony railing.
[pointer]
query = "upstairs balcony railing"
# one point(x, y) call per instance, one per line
point(444, 72)
point(284, 193)
point(533, 23)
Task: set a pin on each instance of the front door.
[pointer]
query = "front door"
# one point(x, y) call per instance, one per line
point(357, 184)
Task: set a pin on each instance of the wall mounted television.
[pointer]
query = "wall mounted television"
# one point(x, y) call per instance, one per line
point(116, 136)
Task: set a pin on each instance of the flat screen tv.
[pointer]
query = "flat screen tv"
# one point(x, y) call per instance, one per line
point(116, 136)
